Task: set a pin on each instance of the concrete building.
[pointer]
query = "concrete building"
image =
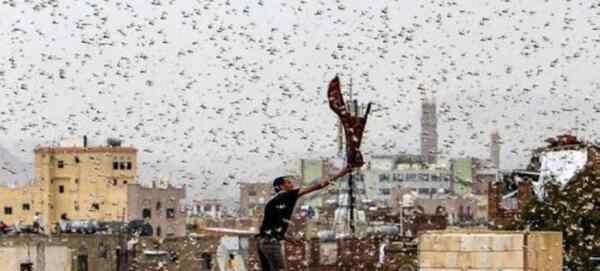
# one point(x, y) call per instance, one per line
point(490, 250)
point(464, 171)
point(81, 182)
point(429, 134)
point(161, 205)
point(253, 197)
point(385, 173)
point(209, 208)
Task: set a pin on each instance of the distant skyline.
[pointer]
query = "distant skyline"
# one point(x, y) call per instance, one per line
point(217, 92)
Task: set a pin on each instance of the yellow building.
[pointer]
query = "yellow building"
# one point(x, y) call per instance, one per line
point(79, 181)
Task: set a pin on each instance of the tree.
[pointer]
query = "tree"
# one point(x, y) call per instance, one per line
point(573, 209)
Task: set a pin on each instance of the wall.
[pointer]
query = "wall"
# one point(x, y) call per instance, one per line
point(490, 250)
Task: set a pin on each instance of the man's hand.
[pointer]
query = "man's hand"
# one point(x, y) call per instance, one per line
point(342, 172)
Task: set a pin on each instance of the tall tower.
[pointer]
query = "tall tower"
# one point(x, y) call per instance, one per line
point(495, 149)
point(429, 135)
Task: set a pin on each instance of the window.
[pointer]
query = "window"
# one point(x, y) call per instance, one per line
point(8, 210)
point(82, 263)
point(76, 180)
point(384, 177)
point(77, 160)
point(129, 165)
point(147, 213)
point(207, 208)
point(170, 213)
point(95, 206)
point(384, 191)
point(423, 191)
point(252, 193)
point(158, 205)
point(398, 177)
point(158, 231)
point(122, 165)
point(114, 182)
point(61, 189)
point(124, 182)
point(26, 207)
point(119, 259)
point(115, 165)
point(60, 164)
point(26, 267)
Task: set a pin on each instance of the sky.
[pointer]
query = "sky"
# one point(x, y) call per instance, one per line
point(217, 92)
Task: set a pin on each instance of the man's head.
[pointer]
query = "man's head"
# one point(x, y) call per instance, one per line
point(283, 183)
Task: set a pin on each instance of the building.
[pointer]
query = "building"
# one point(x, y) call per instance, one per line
point(83, 183)
point(507, 198)
point(253, 198)
point(490, 250)
point(161, 205)
point(385, 173)
point(67, 252)
point(429, 134)
point(105, 252)
point(464, 171)
point(210, 208)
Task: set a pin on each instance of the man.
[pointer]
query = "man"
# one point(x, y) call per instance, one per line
point(37, 223)
point(278, 212)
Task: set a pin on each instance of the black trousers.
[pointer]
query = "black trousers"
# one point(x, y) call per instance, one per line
point(269, 252)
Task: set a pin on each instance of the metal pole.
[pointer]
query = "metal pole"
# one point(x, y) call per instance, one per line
point(351, 199)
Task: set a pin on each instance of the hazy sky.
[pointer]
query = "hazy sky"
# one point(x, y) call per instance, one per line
point(220, 91)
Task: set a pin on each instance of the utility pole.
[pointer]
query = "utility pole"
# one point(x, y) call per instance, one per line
point(350, 179)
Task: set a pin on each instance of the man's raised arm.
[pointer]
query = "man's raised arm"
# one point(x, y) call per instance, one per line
point(325, 180)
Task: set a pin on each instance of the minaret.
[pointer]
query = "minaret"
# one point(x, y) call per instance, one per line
point(429, 135)
point(495, 149)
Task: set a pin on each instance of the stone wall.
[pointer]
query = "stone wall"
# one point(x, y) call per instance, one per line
point(490, 250)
